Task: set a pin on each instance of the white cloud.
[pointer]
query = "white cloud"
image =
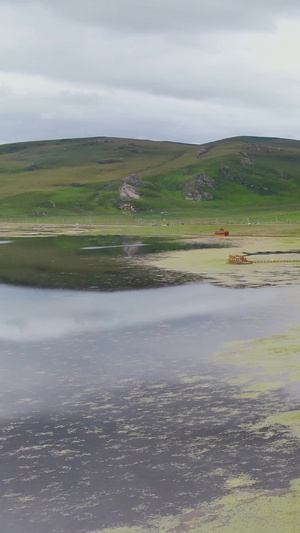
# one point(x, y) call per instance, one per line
point(55, 314)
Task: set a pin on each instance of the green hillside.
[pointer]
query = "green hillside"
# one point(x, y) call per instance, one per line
point(100, 176)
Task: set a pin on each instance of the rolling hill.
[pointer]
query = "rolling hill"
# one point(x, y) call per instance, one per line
point(98, 176)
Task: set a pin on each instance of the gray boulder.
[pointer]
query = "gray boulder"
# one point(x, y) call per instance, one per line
point(199, 188)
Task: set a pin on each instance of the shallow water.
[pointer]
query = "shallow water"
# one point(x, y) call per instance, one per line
point(116, 409)
point(89, 263)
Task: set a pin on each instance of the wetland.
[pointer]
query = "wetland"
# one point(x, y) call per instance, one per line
point(140, 394)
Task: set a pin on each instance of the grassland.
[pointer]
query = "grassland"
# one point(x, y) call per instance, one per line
point(255, 181)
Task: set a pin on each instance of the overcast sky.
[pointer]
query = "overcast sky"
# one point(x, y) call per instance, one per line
point(180, 70)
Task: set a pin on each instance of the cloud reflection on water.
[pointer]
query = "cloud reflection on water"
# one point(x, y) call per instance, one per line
point(30, 314)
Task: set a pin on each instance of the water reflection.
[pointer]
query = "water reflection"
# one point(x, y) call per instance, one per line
point(30, 314)
point(94, 263)
point(55, 343)
point(128, 249)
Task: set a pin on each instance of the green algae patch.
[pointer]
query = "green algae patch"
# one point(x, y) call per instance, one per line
point(212, 263)
point(289, 419)
point(249, 395)
point(246, 511)
point(122, 529)
point(237, 482)
point(256, 389)
point(165, 524)
point(277, 356)
point(197, 378)
point(250, 512)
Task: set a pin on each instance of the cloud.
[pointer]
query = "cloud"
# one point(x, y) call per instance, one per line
point(32, 108)
point(55, 314)
point(135, 68)
point(160, 16)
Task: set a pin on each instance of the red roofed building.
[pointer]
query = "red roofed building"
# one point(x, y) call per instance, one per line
point(221, 233)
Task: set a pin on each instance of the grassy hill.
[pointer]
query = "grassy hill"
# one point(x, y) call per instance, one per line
point(242, 176)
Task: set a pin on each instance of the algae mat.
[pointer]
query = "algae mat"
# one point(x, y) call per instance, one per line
point(213, 266)
point(247, 512)
point(261, 480)
point(167, 425)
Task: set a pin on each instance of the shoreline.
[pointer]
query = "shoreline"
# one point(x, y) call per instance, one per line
point(172, 229)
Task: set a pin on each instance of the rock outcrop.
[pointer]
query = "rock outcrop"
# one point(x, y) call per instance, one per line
point(135, 180)
point(225, 171)
point(245, 162)
point(128, 190)
point(262, 149)
point(196, 189)
point(283, 175)
point(204, 150)
point(131, 147)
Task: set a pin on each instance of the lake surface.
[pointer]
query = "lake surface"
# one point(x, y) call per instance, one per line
point(115, 408)
point(89, 263)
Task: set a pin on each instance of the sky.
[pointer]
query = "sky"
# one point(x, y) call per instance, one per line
point(179, 70)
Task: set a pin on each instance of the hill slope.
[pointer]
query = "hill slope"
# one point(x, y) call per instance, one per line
point(105, 175)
